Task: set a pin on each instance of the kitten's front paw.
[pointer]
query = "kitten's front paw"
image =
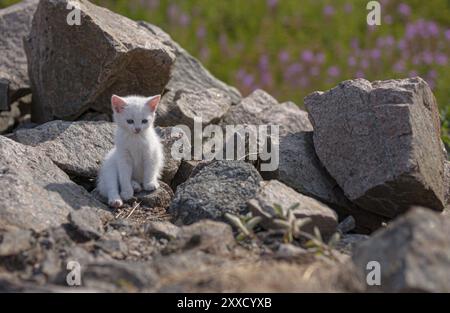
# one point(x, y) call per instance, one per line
point(151, 186)
point(127, 194)
point(115, 203)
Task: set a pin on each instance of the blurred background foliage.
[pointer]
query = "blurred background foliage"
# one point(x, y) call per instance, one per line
point(291, 48)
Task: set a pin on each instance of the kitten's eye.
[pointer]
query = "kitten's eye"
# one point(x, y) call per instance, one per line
point(130, 121)
point(145, 121)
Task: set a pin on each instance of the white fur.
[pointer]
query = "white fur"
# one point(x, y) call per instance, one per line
point(137, 159)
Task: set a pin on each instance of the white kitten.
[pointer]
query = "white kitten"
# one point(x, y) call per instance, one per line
point(137, 158)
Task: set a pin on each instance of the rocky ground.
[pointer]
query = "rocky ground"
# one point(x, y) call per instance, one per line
point(363, 175)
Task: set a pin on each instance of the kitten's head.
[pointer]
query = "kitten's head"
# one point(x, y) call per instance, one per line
point(134, 114)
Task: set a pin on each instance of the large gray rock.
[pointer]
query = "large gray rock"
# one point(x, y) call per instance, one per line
point(183, 106)
point(15, 23)
point(300, 168)
point(188, 73)
point(260, 108)
point(34, 193)
point(78, 148)
point(86, 223)
point(74, 68)
point(273, 193)
point(381, 142)
point(219, 187)
point(413, 253)
point(63, 142)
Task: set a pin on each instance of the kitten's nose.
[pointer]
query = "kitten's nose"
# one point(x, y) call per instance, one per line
point(137, 130)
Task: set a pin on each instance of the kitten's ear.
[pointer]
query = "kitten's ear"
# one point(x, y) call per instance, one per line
point(153, 102)
point(117, 103)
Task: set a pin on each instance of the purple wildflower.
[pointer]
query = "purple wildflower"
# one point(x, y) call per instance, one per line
point(348, 8)
point(320, 58)
point(432, 74)
point(263, 62)
point(184, 19)
point(404, 9)
point(433, 29)
point(283, 56)
point(399, 67)
point(428, 57)
point(307, 56)
point(413, 74)
point(333, 71)
point(351, 61)
point(328, 10)
point(375, 54)
point(172, 11)
point(248, 80)
point(359, 74)
point(201, 32)
point(272, 3)
point(441, 59)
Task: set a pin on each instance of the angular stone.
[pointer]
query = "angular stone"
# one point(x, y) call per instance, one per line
point(86, 223)
point(15, 23)
point(381, 142)
point(413, 253)
point(119, 275)
point(159, 198)
point(171, 138)
point(276, 193)
point(34, 193)
point(188, 73)
point(161, 229)
point(183, 106)
point(348, 242)
point(207, 236)
point(78, 148)
point(300, 168)
point(62, 141)
point(15, 242)
point(219, 187)
point(260, 108)
point(74, 68)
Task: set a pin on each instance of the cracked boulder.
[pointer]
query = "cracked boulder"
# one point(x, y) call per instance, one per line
point(70, 75)
point(381, 142)
point(34, 193)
